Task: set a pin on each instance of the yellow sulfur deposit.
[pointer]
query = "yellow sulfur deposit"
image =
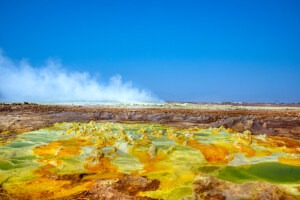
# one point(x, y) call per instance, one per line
point(69, 157)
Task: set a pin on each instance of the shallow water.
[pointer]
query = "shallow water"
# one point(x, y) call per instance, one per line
point(172, 155)
point(273, 172)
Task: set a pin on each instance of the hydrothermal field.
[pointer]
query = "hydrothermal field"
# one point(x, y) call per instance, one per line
point(69, 158)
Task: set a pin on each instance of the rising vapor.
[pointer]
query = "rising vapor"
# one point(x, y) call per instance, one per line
point(19, 81)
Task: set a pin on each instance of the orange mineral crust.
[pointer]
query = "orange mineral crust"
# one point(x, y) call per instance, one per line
point(87, 160)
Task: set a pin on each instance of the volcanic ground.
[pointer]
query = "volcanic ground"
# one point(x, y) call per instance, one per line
point(156, 151)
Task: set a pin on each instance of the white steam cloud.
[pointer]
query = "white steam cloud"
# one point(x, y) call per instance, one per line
point(52, 83)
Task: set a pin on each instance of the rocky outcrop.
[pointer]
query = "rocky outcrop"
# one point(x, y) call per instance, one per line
point(126, 188)
point(210, 188)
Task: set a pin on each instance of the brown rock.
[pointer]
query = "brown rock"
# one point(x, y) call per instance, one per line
point(133, 184)
point(126, 188)
point(209, 187)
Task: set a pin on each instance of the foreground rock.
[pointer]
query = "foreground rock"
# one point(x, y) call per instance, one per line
point(210, 188)
point(125, 188)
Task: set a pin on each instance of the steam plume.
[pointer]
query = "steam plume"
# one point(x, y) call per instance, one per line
point(19, 81)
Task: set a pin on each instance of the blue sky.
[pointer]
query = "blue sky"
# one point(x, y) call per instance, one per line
point(179, 50)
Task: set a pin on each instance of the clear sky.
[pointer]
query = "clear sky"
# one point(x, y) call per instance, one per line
point(243, 50)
